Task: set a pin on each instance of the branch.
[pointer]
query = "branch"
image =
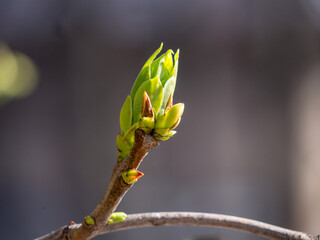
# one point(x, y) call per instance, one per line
point(196, 219)
point(116, 190)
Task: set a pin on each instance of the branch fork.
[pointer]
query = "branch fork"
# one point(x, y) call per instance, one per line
point(117, 188)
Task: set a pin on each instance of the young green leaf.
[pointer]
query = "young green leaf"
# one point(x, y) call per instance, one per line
point(168, 90)
point(145, 72)
point(171, 118)
point(154, 90)
point(162, 66)
point(122, 144)
point(129, 135)
point(126, 115)
point(174, 70)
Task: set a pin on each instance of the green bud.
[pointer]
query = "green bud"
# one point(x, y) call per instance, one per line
point(131, 176)
point(89, 220)
point(126, 115)
point(165, 137)
point(146, 124)
point(162, 131)
point(125, 143)
point(149, 106)
point(123, 147)
point(171, 118)
point(117, 217)
point(165, 68)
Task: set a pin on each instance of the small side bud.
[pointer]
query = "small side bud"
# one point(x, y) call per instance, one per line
point(171, 117)
point(123, 147)
point(146, 124)
point(162, 131)
point(168, 121)
point(131, 176)
point(117, 217)
point(89, 220)
point(165, 137)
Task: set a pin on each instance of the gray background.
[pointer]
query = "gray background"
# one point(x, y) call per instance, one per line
point(245, 73)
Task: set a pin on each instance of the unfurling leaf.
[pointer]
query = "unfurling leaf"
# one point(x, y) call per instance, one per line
point(154, 90)
point(126, 115)
point(171, 117)
point(149, 106)
point(145, 72)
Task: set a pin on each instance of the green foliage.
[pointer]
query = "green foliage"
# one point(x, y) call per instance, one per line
point(145, 72)
point(149, 106)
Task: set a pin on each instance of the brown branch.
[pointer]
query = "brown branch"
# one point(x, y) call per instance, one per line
point(196, 219)
point(206, 220)
point(116, 190)
point(117, 187)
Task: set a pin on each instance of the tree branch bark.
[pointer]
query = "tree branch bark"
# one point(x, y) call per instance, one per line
point(195, 219)
point(206, 220)
point(116, 190)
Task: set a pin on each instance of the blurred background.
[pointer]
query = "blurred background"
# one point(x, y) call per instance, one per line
point(249, 141)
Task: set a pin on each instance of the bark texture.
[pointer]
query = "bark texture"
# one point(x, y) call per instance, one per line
point(192, 219)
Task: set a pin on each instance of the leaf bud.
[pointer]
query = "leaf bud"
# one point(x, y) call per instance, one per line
point(131, 176)
point(171, 118)
point(117, 217)
point(89, 220)
point(146, 124)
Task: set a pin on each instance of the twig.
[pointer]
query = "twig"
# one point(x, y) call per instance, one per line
point(206, 220)
point(196, 219)
point(117, 188)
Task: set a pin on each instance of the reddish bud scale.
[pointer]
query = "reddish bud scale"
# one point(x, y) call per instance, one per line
point(146, 110)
